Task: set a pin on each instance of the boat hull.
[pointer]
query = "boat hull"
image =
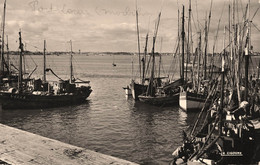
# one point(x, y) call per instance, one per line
point(137, 89)
point(128, 91)
point(160, 100)
point(190, 101)
point(31, 101)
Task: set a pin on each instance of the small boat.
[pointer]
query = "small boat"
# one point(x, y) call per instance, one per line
point(113, 64)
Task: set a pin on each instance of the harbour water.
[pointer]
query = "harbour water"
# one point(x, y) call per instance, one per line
point(108, 122)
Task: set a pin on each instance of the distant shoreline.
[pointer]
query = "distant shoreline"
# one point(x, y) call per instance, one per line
point(100, 53)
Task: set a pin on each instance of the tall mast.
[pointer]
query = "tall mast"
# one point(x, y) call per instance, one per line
point(20, 76)
point(247, 52)
point(150, 88)
point(183, 38)
point(138, 42)
point(71, 67)
point(144, 59)
point(44, 62)
point(188, 40)
point(8, 57)
point(160, 59)
point(199, 56)
point(222, 85)
point(3, 34)
point(230, 45)
point(179, 40)
point(258, 70)
point(206, 42)
point(132, 66)
point(152, 70)
point(249, 26)
point(205, 55)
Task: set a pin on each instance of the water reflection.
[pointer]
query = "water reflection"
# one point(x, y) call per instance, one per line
point(155, 129)
point(187, 119)
point(45, 122)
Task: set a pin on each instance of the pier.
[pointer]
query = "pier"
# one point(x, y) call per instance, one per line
point(21, 147)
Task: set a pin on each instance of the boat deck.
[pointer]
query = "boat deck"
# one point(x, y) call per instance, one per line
point(21, 147)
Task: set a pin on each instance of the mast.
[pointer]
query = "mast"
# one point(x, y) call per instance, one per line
point(178, 49)
point(71, 66)
point(144, 59)
point(179, 38)
point(222, 85)
point(199, 56)
point(183, 38)
point(207, 23)
point(205, 55)
point(8, 57)
point(188, 42)
point(44, 62)
point(258, 70)
point(151, 88)
point(229, 41)
point(138, 42)
point(160, 59)
point(132, 66)
point(3, 34)
point(152, 70)
point(20, 76)
point(247, 51)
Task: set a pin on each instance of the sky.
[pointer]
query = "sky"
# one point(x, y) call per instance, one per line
point(110, 25)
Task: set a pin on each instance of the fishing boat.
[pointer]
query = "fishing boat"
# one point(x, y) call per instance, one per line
point(139, 87)
point(194, 94)
point(191, 101)
point(159, 92)
point(29, 93)
point(191, 96)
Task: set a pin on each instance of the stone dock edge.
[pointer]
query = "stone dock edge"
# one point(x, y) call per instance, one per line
point(19, 147)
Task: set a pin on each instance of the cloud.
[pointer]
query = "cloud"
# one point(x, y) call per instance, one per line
point(110, 25)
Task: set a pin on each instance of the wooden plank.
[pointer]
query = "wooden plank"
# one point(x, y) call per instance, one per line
point(21, 147)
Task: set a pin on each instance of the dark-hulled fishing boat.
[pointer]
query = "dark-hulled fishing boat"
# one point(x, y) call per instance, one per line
point(28, 93)
point(159, 93)
point(137, 88)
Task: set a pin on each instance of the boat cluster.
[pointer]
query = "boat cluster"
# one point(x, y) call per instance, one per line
point(19, 91)
point(227, 128)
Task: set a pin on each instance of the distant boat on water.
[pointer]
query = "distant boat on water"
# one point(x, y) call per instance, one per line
point(113, 64)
